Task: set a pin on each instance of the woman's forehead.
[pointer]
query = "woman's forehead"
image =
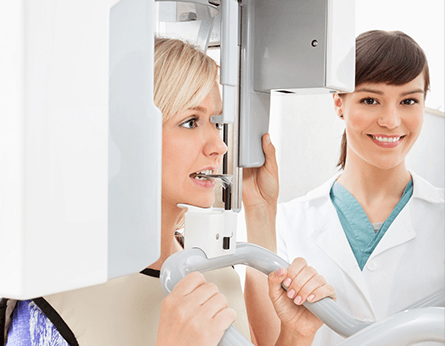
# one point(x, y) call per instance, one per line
point(414, 86)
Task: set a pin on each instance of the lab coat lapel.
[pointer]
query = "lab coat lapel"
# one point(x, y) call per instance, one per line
point(330, 237)
point(400, 231)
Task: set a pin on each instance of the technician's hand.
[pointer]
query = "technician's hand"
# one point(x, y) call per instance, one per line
point(304, 283)
point(260, 185)
point(194, 314)
point(260, 195)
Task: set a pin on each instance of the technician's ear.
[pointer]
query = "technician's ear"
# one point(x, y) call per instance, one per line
point(338, 105)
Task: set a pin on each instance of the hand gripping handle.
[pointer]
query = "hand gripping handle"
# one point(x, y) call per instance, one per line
point(182, 263)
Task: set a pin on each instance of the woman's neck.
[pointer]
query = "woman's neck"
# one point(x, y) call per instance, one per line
point(373, 181)
point(169, 245)
point(377, 190)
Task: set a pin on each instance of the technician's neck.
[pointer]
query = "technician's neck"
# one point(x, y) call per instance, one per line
point(368, 180)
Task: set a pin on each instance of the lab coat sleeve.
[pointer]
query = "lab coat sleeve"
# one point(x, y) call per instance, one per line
point(281, 234)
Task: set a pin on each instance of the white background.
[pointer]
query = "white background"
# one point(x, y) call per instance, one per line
point(423, 21)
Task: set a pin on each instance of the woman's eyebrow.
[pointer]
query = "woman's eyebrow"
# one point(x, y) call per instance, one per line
point(416, 91)
point(204, 110)
point(378, 92)
point(199, 109)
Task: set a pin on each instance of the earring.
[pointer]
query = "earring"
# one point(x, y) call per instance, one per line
point(341, 115)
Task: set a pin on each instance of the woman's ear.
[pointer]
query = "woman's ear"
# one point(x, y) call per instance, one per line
point(338, 105)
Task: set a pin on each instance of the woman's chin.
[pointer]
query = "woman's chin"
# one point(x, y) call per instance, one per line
point(200, 203)
point(204, 205)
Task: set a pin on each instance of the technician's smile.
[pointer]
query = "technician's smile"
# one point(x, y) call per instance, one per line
point(385, 141)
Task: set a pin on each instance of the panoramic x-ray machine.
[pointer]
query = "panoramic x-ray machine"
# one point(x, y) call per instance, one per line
point(80, 140)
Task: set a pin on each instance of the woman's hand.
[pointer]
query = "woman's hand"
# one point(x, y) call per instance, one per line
point(194, 314)
point(260, 195)
point(303, 283)
point(260, 185)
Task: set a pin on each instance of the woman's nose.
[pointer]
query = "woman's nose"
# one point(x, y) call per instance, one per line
point(214, 145)
point(390, 117)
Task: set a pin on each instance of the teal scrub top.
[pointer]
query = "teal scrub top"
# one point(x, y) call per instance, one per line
point(363, 237)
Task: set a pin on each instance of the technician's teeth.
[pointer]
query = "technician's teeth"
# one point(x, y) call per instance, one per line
point(387, 139)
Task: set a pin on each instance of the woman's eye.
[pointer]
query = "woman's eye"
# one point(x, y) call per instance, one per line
point(190, 124)
point(219, 126)
point(369, 101)
point(409, 102)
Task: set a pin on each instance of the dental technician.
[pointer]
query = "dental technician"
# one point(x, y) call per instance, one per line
point(375, 231)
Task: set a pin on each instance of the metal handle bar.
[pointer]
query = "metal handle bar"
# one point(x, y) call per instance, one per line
point(182, 263)
point(436, 298)
point(404, 328)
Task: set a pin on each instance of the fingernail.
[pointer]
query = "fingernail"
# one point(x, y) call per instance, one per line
point(291, 294)
point(287, 282)
point(297, 300)
point(268, 139)
point(311, 297)
point(280, 272)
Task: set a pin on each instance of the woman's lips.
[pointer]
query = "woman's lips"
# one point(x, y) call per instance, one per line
point(208, 184)
point(386, 141)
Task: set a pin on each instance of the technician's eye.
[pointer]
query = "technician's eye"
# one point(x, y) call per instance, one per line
point(190, 124)
point(219, 126)
point(409, 102)
point(369, 101)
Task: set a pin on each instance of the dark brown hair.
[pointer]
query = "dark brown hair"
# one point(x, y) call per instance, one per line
point(390, 57)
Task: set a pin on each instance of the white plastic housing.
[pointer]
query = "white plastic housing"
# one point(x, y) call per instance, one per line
point(57, 153)
point(340, 48)
point(304, 46)
point(293, 47)
point(188, 20)
point(229, 78)
point(212, 230)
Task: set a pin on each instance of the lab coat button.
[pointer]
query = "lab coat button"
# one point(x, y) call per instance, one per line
point(372, 266)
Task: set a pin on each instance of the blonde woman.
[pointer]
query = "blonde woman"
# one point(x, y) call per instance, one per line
point(132, 310)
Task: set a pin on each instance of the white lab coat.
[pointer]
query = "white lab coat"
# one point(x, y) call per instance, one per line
point(407, 264)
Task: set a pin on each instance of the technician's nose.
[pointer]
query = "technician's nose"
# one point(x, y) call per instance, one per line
point(215, 146)
point(390, 117)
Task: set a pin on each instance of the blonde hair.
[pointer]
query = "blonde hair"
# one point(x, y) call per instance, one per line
point(183, 76)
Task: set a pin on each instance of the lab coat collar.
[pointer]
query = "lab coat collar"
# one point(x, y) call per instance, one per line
point(402, 229)
point(330, 237)
point(422, 189)
point(323, 190)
